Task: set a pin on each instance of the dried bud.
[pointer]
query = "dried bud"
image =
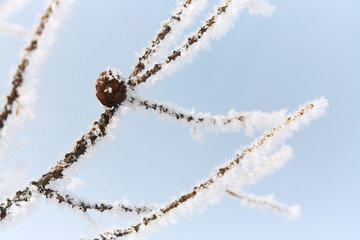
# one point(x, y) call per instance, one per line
point(110, 88)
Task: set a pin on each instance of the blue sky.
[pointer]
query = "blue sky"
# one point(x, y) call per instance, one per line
point(308, 49)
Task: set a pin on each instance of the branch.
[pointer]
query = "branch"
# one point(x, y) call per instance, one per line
point(272, 163)
point(18, 78)
point(267, 202)
point(270, 139)
point(233, 121)
point(185, 11)
point(211, 122)
point(84, 206)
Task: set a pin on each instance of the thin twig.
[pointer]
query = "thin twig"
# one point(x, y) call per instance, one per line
point(84, 206)
point(185, 115)
point(167, 28)
point(261, 201)
point(18, 78)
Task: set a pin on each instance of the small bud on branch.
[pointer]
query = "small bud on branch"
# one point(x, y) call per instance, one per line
point(110, 88)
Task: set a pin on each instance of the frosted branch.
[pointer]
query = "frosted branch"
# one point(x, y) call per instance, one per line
point(169, 32)
point(218, 123)
point(233, 121)
point(19, 75)
point(84, 206)
point(210, 189)
point(259, 170)
point(267, 202)
point(19, 104)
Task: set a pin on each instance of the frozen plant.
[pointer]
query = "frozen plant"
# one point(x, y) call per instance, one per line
point(120, 95)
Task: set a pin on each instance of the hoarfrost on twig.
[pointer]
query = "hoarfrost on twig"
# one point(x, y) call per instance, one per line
point(233, 121)
point(14, 29)
point(168, 34)
point(267, 202)
point(101, 206)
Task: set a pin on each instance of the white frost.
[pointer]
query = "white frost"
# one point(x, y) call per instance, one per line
point(108, 89)
point(14, 29)
point(268, 202)
point(261, 7)
point(255, 120)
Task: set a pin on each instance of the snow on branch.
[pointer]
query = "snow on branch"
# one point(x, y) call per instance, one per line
point(219, 123)
point(19, 103)
point(267, 202)
point(233, 121)
point(212, 189)
point(83, 205)
point(273, 163)
point(18, 77)
point(168, 34)
point(19, 204)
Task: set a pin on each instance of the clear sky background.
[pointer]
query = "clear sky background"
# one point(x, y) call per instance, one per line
point(308, 49)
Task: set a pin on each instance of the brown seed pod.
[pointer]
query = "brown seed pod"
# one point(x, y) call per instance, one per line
point(110, 88)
